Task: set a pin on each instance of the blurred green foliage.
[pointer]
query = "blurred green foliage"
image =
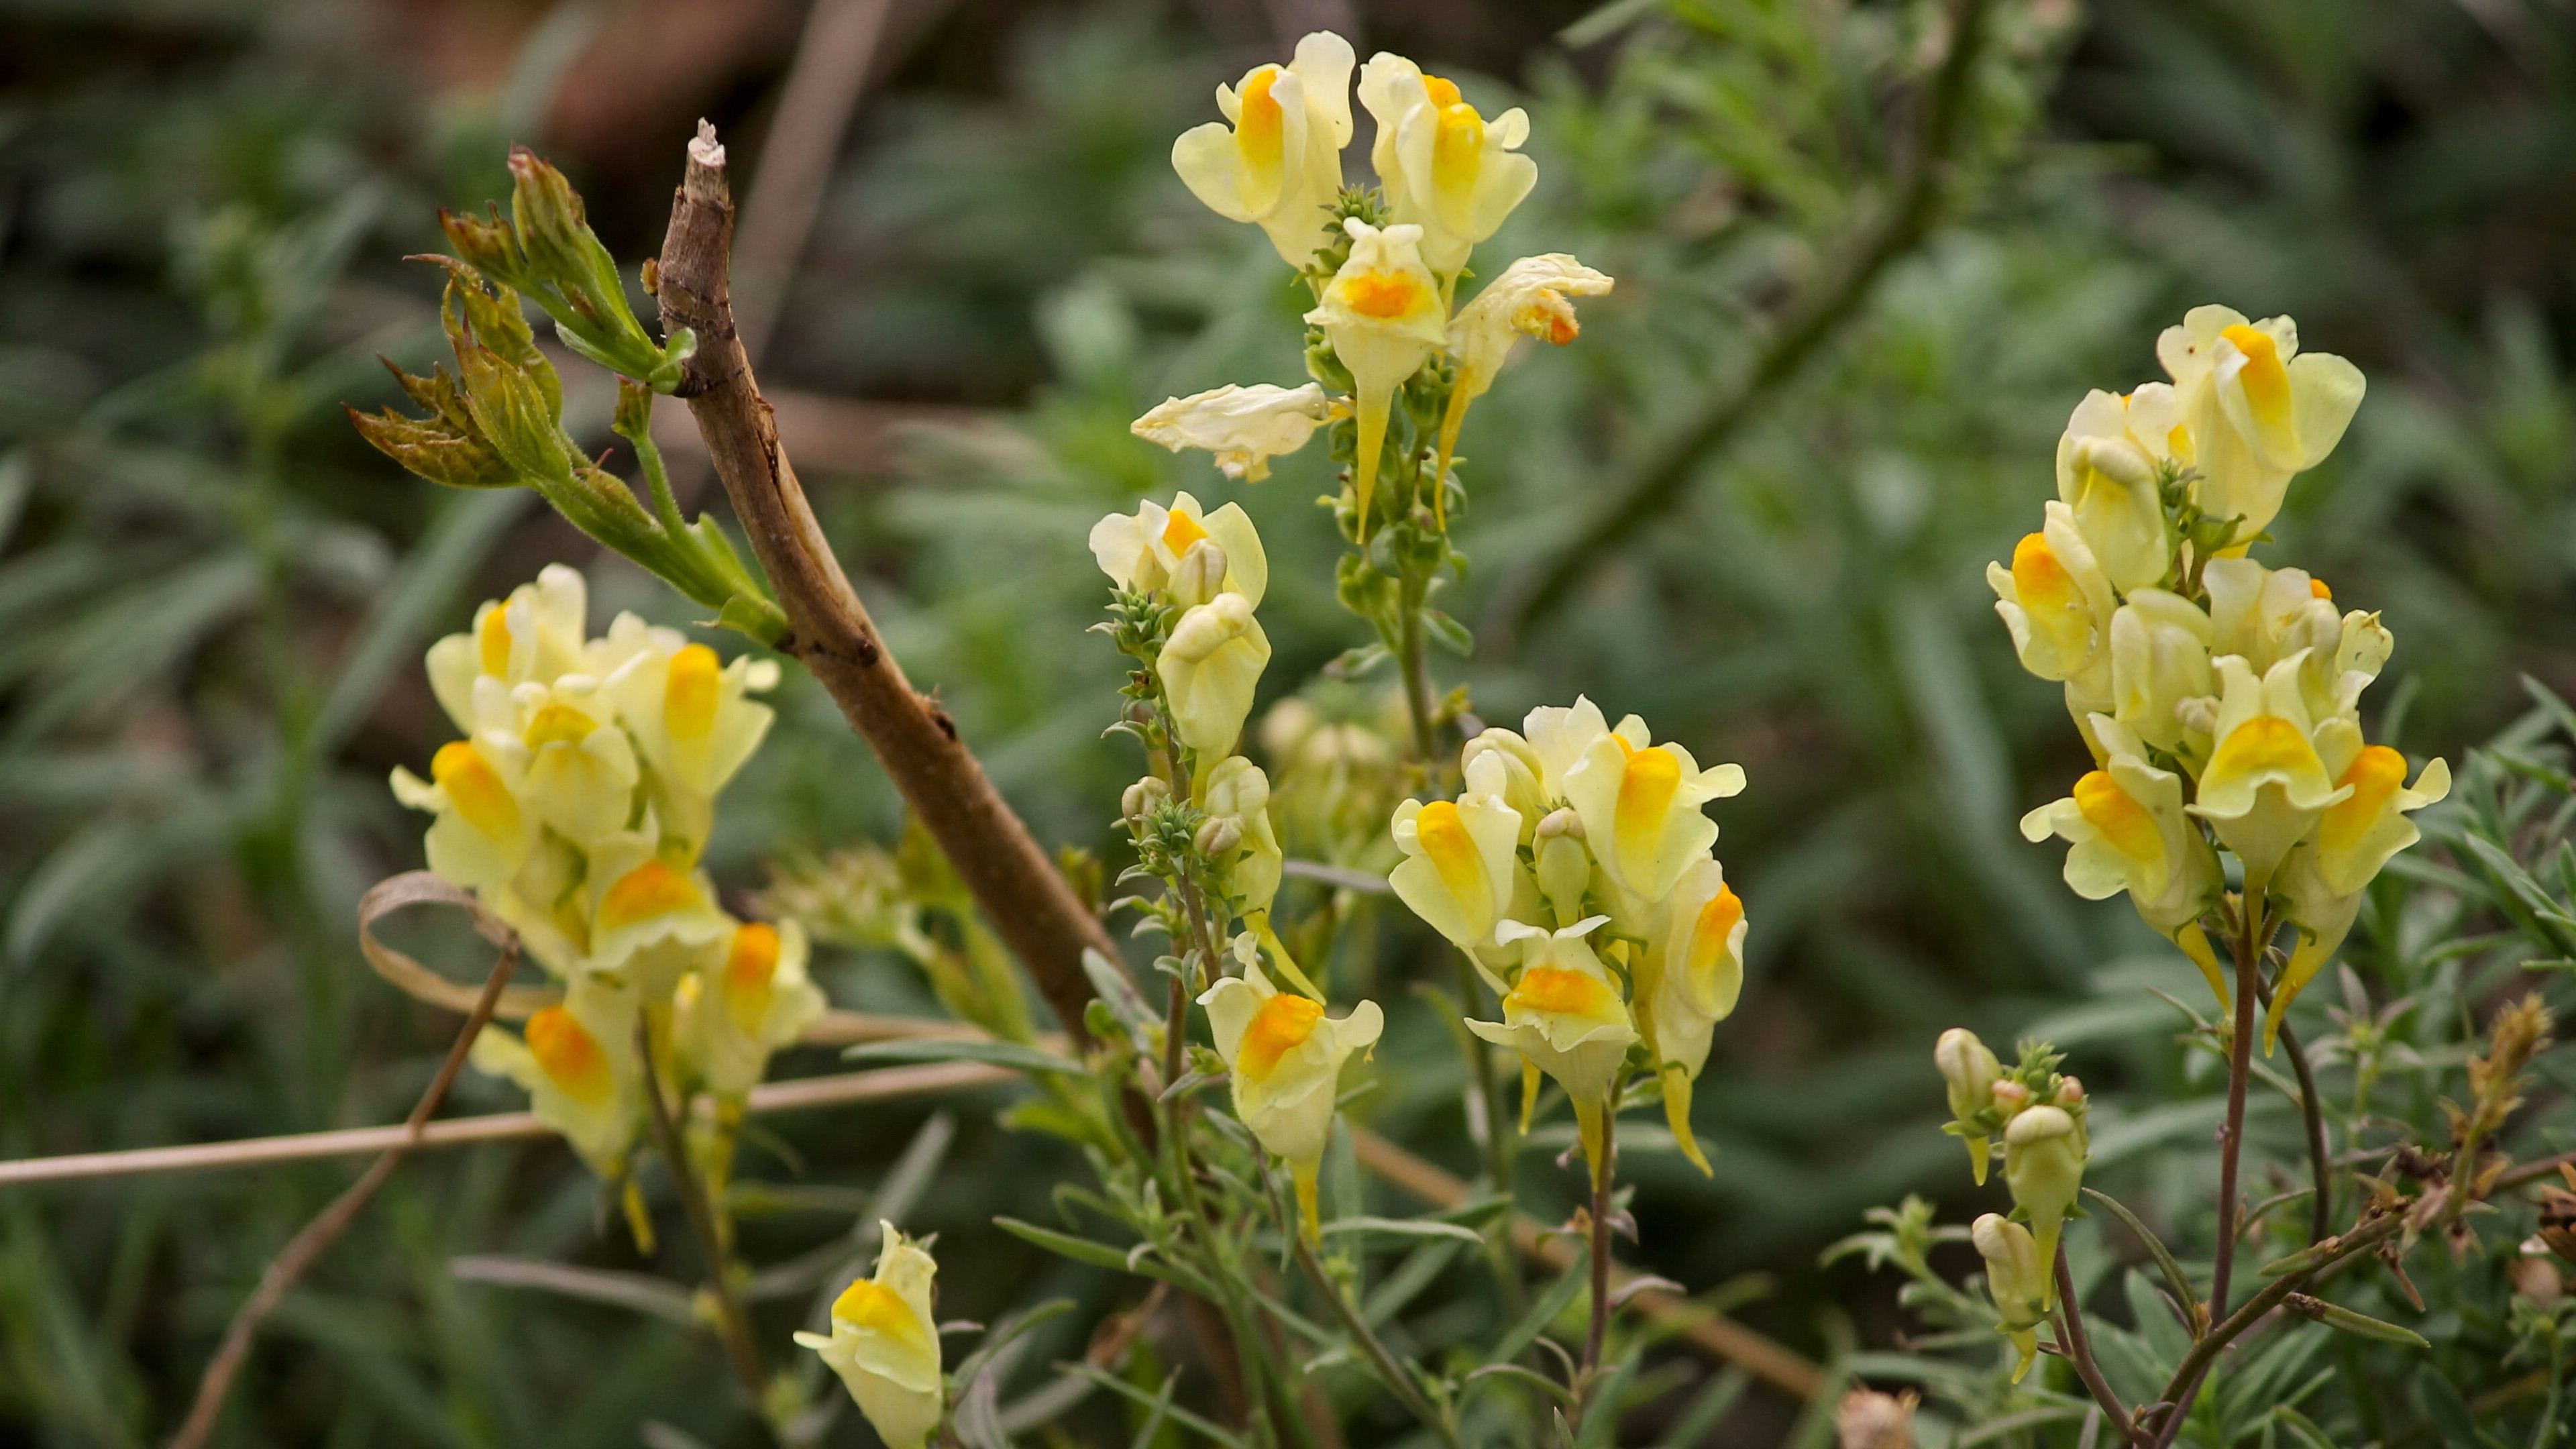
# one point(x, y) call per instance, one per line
point(212, 600)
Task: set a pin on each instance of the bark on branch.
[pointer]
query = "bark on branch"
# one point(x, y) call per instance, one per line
point(1013, 879)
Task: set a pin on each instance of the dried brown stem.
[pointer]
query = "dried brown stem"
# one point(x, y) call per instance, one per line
point(308, 1246)
point(1028, 901)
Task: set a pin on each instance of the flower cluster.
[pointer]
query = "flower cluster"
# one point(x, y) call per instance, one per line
point(1185, 583)
point(1384, 267)
point(1575, 870)
point(576, 807)
point(2040, 1115)
point(2217, 695)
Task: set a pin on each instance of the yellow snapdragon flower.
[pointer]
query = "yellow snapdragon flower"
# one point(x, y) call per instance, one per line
point(1521, 768)
point(2055, 598)
point(1564, 1016)
point(694, 722)
point(1527, 300)
point(575, 767)
point(1461, 870)
point(578, 1062)
point(1443, 166)
point(1210, 667)
point(1276, 159)
point(729, 1017)
point(1640, 805)
point(2128, 830)
point(2319, 888)
point(1968, 1070)
point(533, 636)
point(1284, 1060)
point(884, 1344)
point(2160, 645)
point(2044, 1154)
point(1384, 316)
point(1142, 550)
point(483, 832)
point(2259, 411)
point(650, 922)
point(2107, 476)
point(2265, 784)
point(2267, 615)
point(1245, 427)
point(1686, 983)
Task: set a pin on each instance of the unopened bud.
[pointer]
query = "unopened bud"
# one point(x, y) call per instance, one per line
point(2070, 1093)
point(2117, 459)
point(1564, 872)
point(1868, 1419)
point(2010, 1098)
point(1219, 836)
point(2017, 1278)
point(2044, 1167)
point(1559, 822)
point(1200, 575)
point(2537, 1279)
point(1969, 1068)
point(1142, 797)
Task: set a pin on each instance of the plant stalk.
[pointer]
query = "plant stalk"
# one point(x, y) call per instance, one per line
point(733, 1324)
point(1604, 1176)
point(2079, 1352)
point(1389, 1367)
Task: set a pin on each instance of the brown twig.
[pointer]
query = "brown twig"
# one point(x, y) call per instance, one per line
point(317, 1236)
point(1027, 899)
point(2079, 1351)
point(1656, 481)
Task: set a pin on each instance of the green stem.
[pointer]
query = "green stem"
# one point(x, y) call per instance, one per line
point(657, 479)
point(1411, 653)
point(1389, 1368)
point(2185, 1384)
point(733, 1325)
point(1604, 1176)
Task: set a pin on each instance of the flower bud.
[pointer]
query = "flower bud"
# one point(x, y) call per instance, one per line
point(2010, 1098)
point(1219, 836)
point(1564, 867)
point(1141, 798)
point(1969, 1067)
point(2044, 1166)
point(2017, 1277)
point(1200, 575)
point(2070, 1093)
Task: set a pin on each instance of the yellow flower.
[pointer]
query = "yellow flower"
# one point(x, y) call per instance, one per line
point(1557, 737)
point(1245, 427)
point(2159, 658)
point(1141, 552)
point(2044, 1152)
point(533, 636)
point(2129, 831)
point(2259, 411)
point(1968, 1069)
point(885, 1345)
point(483, 833)
point(1640, 804)
point(574, 768)
point(1237, 790)
point(2320, 886)
point(1210, 667)
point(1276, 159)
point(1564, 1016)
point(692, 718)
point(579, 1066)
point(2267, 615)
point(1527, 300)
point(728, 1018)
point(1444, 167)
point(1384, 316)
point(2018, 1281)
point(2109, 479)
point(1687, 983)
point(1284, 1058)
point(2264, 785)
point(2055, 598)
point(1461, 870)
point(650, 922)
